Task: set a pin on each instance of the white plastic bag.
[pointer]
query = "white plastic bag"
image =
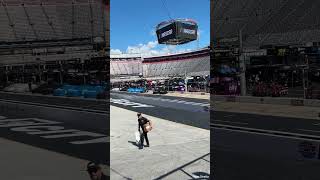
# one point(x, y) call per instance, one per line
point(137, 134)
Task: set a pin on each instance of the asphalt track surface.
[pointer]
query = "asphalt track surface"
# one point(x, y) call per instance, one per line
point(230, 165)
point(274, 123)
point(70, 128)
point(180, 110)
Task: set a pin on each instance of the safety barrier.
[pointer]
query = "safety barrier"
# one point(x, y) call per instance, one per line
point(86, 91)
point(136, 90)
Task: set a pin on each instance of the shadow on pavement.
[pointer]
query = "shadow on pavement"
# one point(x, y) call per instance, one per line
point(133, 143)
point(199, 175)
point(124, 177)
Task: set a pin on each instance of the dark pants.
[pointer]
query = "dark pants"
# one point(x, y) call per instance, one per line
point(143, 136)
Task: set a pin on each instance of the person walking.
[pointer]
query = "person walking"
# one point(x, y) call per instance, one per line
point(142, 123)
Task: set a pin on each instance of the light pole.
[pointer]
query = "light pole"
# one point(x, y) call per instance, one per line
point(242, 67)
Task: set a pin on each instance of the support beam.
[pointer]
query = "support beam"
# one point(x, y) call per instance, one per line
point(11, 24)
point(30, 22)
point(48, 20)
point(72, 22)
point(91, 20)
point(242, 63)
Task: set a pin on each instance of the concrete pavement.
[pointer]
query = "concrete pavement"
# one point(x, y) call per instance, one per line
point(177, 151)
point(21, 161)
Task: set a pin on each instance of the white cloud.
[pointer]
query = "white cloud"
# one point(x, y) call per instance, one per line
point(152, 48)
point(115, 51)
point(143, 49)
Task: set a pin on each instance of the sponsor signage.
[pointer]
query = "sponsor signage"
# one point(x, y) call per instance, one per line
point(189, 31)
point(166, 33)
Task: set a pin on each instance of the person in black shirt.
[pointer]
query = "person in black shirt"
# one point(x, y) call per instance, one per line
point(144, 135)
point(95, 172)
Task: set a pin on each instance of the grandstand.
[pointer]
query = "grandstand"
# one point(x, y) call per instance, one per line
point(124, 66)
point(196, 63)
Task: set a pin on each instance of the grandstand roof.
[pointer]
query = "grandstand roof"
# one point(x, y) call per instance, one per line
point(125, 56)
point(203, 51)
point(36, 20)
point(270, 22)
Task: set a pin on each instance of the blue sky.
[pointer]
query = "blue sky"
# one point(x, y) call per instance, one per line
point(133, 22)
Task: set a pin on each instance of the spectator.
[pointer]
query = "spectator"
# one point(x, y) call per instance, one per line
point(95, 172)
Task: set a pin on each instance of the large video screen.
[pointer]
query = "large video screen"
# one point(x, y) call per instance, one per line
point(166, 33)
point(187, 30)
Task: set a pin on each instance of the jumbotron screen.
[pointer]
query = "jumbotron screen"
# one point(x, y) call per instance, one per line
point(166, 33)
point(177, 32)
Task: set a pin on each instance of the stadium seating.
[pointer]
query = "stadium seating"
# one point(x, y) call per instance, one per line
point(192, 64)
point(125, 66)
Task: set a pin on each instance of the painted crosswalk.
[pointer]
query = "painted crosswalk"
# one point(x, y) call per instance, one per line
point(180, 101)
point(172, 100)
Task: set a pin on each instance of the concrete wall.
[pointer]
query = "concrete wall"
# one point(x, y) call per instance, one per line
point(268, 100)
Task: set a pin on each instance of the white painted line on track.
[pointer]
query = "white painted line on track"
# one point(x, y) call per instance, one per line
point(309, 130)
point(229, 115)
point(232, 122)
point(66, 108)
point(273, 133)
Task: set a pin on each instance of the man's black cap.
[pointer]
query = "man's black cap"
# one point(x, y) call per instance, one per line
point(92, 167)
